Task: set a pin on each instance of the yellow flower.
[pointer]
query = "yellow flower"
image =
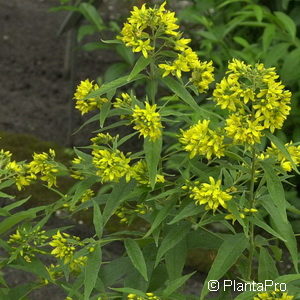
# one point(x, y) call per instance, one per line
point(86, 105)
point(181, 44)
point(87, 195)
point(273, 105)
point(200, 140)
point(103, 138)
point(186, 61)
point(149, 296)
point(294, 152)
point(273, 295)
point(227, 93)
point(64, 248)
point(202, 76)
point(210, 194)
point(111, 165)
point(123, 102)
point(143, 46)
point(44, 165)
point(145, 23)
point(243, 130)
point(147, 121)
point(21, 174)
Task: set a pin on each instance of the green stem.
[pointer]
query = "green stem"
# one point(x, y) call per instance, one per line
point(251, 229)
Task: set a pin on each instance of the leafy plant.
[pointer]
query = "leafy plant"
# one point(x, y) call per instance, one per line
point(204, 174)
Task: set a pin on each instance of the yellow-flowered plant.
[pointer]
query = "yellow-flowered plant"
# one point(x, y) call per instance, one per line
point(65, 246)
point(200, 140)
point(85, 104)
point(147, 121)
point(111, 165)
point(187, 172)
point(149, 296)
point(210, 194)
point(27, 242)
point(273, 295)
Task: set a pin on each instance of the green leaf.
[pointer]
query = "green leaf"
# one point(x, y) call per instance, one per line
point(275, 188)
point(277, 52)
point(281, 147)
point(161, 215)
point(97, 220)
point(130, 291)
point(268, 36)
point(176, 234)
point(85, 30)
point(108, 272)
point(287, 23)
point(178, 89)
point(91, 271)
point(93, 46)
point(266, 266)
point(118, 195)
point(175, 284)
point(136, 256)
point(91, 14)
point(291, 67)
point(204, 239)
point(175, 259)
point(229, 252)
point(16, 204)
point(125, 53)
point(140, 65)
point(21, 291)
point(267, 228)
point(6, 183)
point(11, 221)
point(283, 226)
point(259, 13)
point(152, 154)
point(35, 267)
point(105, 88)
point(104, 112)
point(189, 210)
point(115, 71)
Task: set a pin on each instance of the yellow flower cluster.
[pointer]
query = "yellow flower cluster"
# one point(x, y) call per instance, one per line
point(200, 140)
point(64, 247)
point(103, 138)
point(187, 61)
point(241, 214)
point(139, 30)
point(255, 99)
point(5, 157)
point(86, 105)
point(42, 165)
point(20, 172)
point(26, 242)
point(147, 121)
point(150, 296)
point(148, 29)
point(294, 152)
point(124, 213)
point(243, 130)
point(86, 196)
point(124, 101)
point(111, 164)
point(140, 173)
point(274, 295)
point(210, 194)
